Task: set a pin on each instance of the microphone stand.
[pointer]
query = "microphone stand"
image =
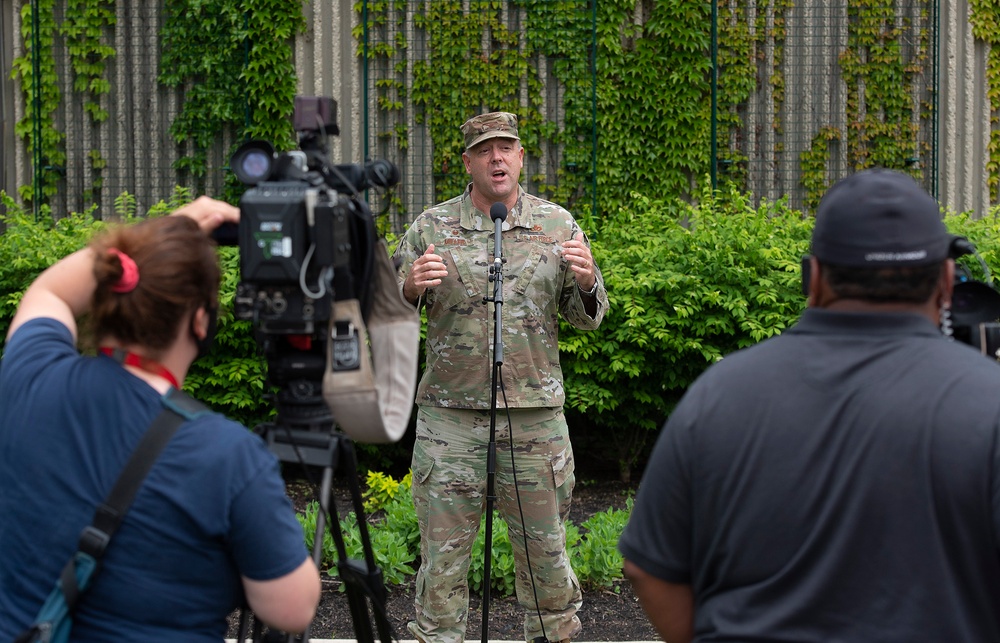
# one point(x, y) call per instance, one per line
point(498, 212)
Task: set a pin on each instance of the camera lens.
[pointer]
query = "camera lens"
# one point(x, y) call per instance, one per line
point(252, 162)
point(256, 165)
point(381, 173)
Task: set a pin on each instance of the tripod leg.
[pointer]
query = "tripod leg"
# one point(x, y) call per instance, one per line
point(374, 584)
point(326, 484)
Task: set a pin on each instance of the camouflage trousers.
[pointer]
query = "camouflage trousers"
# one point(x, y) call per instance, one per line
point(449, 492)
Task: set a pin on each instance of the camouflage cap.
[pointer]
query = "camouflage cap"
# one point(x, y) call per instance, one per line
point(492, 125)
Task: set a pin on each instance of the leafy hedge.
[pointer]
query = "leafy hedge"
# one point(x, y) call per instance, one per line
point(231, 379)
point(395, 540)
point(688, 284)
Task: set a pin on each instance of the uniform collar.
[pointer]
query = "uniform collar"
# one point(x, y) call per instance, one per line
point(519, 216)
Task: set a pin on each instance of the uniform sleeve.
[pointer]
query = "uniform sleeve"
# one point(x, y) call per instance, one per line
point(658, 537)
point(571, 305)
point(410, 247)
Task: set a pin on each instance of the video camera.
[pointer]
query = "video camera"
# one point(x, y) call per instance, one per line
point(975, 305)
point(305, 240)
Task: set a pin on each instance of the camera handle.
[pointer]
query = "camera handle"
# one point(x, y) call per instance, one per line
point(366, 593)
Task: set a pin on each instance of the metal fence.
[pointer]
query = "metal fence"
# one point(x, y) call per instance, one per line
point(836, 91)
point(811, 115)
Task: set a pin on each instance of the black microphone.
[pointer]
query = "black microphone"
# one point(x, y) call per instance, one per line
point(498, 211)
point(960, 246)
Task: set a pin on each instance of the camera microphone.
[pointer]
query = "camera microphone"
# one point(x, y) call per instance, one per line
point(960, 246)
point(498, 211)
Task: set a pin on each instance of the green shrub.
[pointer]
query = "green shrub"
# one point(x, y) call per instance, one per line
point(395, 540)
point(399, 515)
point(230, 379)
point(595, 556)
point(29, 246)
point(309, 519)
point(501, 559)
point(984, 233)
point(687, 285)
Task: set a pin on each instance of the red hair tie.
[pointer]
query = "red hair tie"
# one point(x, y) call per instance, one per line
point(130, 272)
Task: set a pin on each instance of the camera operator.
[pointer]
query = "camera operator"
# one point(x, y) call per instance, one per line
point(211, 526)
point(840, 482)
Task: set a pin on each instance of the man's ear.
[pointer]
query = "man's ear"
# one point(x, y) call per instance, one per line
point(812, 276)
point(946, 285)
point(199, 323)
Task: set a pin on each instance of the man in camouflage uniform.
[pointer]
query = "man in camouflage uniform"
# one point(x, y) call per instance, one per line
point(549, 270)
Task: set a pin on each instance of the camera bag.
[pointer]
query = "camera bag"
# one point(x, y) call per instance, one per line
point(371, 370)
point(55, 618)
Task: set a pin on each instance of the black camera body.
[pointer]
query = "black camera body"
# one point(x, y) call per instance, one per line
point(305, 240)
point(975, 309)
point(290, 236)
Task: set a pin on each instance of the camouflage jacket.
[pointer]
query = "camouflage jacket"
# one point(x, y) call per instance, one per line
point(537, 286)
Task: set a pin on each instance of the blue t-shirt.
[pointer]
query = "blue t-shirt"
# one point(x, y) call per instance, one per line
point(212, 508)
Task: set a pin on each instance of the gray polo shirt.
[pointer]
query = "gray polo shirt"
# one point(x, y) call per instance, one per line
point(840, 482)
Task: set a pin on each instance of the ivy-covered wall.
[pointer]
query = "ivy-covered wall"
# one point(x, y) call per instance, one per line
point(985, 19)
point(615, 101)
point(806, 91)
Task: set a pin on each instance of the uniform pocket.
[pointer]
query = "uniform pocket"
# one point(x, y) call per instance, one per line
point(563, 469)
point(564, 479)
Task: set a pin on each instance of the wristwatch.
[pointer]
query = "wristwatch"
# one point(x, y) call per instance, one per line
point(591, 292)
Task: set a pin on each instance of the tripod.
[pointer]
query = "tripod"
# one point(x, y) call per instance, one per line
point(362, 579)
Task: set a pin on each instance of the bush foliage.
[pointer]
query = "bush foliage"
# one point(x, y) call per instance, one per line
point(395, 541)
point(687, 283)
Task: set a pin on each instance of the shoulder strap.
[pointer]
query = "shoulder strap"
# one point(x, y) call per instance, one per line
point(178, 407)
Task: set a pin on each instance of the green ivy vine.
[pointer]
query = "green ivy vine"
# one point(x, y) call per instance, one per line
point(813, 162)
point(737, 82)
point(233, 59)
point(883, 119)
point(386, 56)
point(86, 21)
point(38, 127)
point(742, 45)
point(741, 53)
point(882, 130)
point(563, 32)
point(985, 19)
point(457, 81)
point(653, 99)
point(84, 25)
point(487, 76)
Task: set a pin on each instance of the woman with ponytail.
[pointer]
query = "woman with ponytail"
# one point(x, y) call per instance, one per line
point(211, 528)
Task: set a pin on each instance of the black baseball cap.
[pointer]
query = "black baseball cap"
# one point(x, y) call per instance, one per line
point(879, 218)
